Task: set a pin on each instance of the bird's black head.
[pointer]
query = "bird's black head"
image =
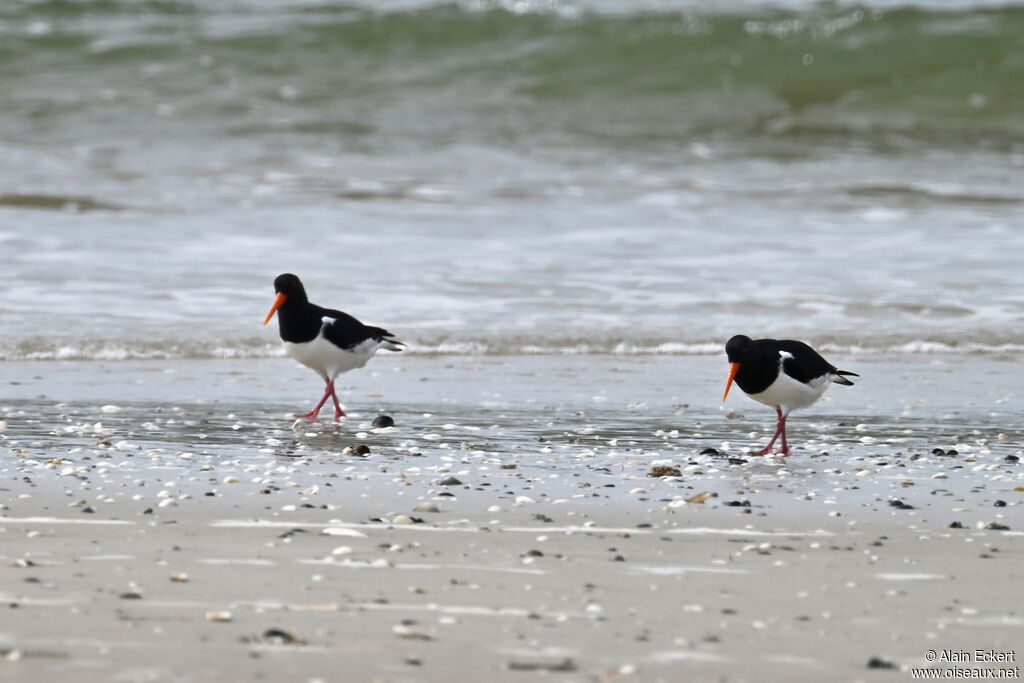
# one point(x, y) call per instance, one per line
point(291, 286)
point(289, 292)
point(738, 348)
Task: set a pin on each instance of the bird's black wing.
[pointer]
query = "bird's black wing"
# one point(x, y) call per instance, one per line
point(347, 332)
point(806, 363)
point(342, 329)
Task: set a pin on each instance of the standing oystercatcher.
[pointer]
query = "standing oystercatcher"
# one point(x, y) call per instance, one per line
point(328, 341)
point(784, 374)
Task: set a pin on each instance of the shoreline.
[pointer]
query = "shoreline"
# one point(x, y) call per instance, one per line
point(518, 531)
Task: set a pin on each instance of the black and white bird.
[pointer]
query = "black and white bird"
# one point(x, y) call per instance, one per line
point(328, 341)
point(783, 374)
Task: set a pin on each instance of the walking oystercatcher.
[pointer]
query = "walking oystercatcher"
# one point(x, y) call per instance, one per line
point(784, 374)
point(328, 341)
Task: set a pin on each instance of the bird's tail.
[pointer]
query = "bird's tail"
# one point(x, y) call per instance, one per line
point(838, 377)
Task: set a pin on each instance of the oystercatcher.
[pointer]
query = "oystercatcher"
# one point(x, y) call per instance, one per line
point(784, 374)
point(328, 341)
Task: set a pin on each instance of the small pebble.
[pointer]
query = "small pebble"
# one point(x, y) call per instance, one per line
point(382, 421)
point(407, 632)
point(879, 663)
point(562, 666)
point(277, 636)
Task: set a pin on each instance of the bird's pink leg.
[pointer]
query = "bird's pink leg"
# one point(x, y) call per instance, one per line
point(780, 428)
point(311, 415)
point(338, 412)
point(785, 447)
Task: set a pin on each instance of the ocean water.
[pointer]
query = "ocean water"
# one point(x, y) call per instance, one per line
point(512, 177)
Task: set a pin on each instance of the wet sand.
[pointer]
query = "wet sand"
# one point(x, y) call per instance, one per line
point(166, 521)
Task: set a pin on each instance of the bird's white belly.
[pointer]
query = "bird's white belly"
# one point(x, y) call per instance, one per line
point(329, 360)
point(788, 394)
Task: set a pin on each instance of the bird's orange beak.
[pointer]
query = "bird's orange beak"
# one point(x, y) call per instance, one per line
point(277, 304)
point(733, 369)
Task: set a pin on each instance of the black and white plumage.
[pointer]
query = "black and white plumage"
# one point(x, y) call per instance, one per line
point(784, 374)
point(326, 340)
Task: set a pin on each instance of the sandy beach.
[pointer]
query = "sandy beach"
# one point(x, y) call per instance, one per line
point(160, 523)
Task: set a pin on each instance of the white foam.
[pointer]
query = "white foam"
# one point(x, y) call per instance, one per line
point(676, 571)
point(909, 576)
point(59, 520)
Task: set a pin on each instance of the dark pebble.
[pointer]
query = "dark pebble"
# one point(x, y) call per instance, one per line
point(737, 503)
point(664, 471)
point(360, 449)
point(88, 510)
point(277, 636)
point(1012, 458)
point(534, 553)
point(564, 666)
point(446, 494)
point(938, 451)
point(382, 421)
point(899, 504)
point(130, 596)
point(951, 452)
point(1000, 503)
point(540, 517)
point(449, 481)
point(412, 661)
point(737, 461)
point(879, 663)
point(996, 526)
point(710, 451)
